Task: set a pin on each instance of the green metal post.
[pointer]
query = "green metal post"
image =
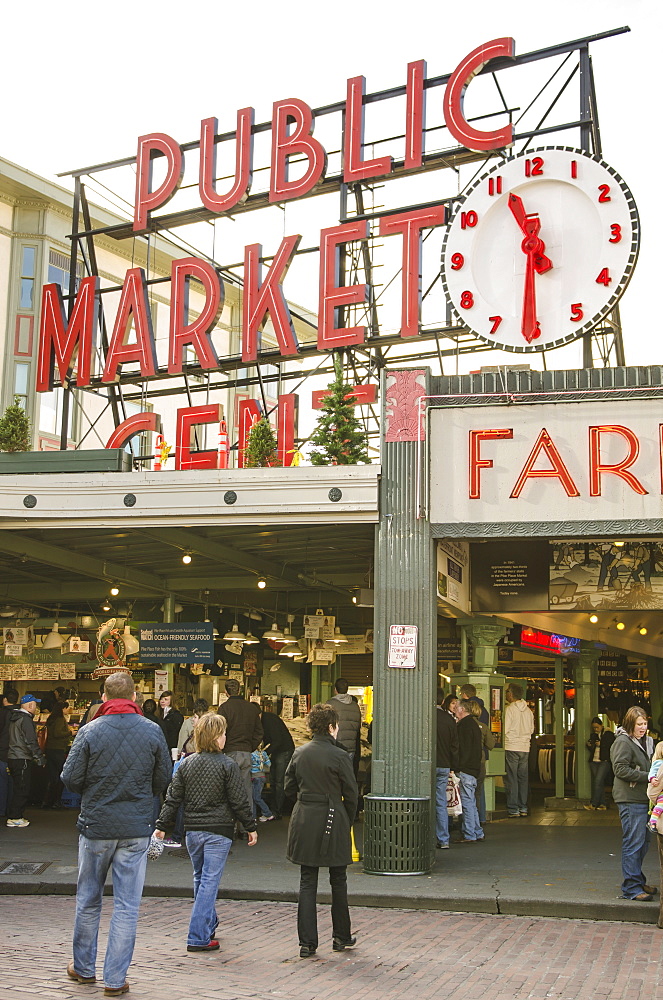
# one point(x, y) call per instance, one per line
point(587, 700)
point(169, 616)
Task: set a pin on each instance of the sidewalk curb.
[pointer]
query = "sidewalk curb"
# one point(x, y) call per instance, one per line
point(498, 905)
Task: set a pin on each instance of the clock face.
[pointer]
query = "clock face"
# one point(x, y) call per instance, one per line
point(540, 249)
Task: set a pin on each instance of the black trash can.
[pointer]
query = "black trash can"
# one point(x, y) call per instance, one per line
point(397, 835)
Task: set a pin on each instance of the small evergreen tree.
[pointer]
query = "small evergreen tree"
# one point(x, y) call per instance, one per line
point(339, 438)
point(15, 428)
point(261, 448)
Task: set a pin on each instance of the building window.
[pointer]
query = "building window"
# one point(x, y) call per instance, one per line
point(21, 377)
point(27, 281)
point(58, 270)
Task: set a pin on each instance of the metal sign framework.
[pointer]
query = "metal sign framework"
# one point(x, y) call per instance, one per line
point(442, 340)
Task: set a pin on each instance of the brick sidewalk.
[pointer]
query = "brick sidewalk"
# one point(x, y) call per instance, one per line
point(411, 953)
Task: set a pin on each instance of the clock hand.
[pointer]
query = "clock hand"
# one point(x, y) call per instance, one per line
point(530, 226)
point(530, 327)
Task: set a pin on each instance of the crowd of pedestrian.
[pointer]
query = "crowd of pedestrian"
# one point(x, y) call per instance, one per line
point(210, 770)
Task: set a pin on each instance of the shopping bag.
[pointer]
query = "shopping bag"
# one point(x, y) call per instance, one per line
point(454, 806)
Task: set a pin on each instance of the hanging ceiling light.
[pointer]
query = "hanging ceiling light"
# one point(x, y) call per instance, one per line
point(234, 635)
point(338, 636)
point(262, 583)
point(287, 634)
point(290, 649)
point(273, 633)
point(53, 640)
point(106, 605)
point(186, 558)
point(593, 619)
point(250, 639)
point(114, 590)
point(131, 644)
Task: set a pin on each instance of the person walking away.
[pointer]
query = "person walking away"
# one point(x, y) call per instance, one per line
point(598, 744)
point(630, 756)
point(320, 777)
point(117, 764)
point(23, 749)
point(8, 702)
point(446, 761)
point(487, 744)
point(518, 729)
point(280, 745)
point(349, 717)
point(244, 733)
point(470, 754)
point(171, 719)
point(58, 740)
point(209, 786)
point(260, 764)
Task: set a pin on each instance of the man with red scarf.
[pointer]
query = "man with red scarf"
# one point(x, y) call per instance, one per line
point(117, 763)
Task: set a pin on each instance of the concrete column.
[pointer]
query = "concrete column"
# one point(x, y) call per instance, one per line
point(587, 701)
point(485, 637)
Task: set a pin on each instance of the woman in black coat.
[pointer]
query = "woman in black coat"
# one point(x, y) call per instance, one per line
point(170, 719)
point(320, 776)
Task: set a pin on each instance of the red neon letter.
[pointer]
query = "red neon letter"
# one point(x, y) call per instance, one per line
point(415, 114)
point(267, 298)
point(455, 91)
point(137, 424)
point(285, 144)
point(596, 468)
point(187, 418)
point(544, 442)
point(150, 146)
point(410, 225)
point(198, 332)
point(287, 427)
point(133, 303)
point(476, 462)
point(248, 413)
point(239, 191)
point(61, 338)
point(334, 296)
point(354, 168)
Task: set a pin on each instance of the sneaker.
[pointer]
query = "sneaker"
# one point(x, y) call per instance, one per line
point(339, 945)
point(590, 808)
point(171, 842)
point(265, 819)
point(306, 950)
point(442, 847)
point(212, 945)
point(601, 807)
point(524, 813)
point(18, 822)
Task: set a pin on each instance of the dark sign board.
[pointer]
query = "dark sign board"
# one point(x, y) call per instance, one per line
point(510, 576)
point(182, 642)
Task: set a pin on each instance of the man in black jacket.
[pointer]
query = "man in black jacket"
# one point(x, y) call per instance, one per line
point(469, 767)
point(8, 701)
point(244, 733)
point(117, 763)
point(280, 746)
point(446, 761)
point(22, 751)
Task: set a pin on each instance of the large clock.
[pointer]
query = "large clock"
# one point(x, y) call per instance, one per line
point(540, 249)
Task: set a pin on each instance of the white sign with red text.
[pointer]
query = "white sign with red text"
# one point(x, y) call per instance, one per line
point(599, 460)
point(402, 646)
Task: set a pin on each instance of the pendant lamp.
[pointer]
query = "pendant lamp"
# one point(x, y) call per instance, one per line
point(131, 644)
point(338, 636)
point(273, 633)
point(53, 640)
point(234, 635)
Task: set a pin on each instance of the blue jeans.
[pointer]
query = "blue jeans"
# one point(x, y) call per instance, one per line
point(208, 853)
point(441, 814)
point(257, 785)
point(635, 844)
point(516, 780)
point(600, 770)
point(127, 859)
point(471, 826)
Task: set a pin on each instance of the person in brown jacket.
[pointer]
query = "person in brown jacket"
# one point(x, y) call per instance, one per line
point(244, 733)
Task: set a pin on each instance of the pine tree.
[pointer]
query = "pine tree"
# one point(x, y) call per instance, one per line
point(261, 448)
point(339, 438)
point(15, 429)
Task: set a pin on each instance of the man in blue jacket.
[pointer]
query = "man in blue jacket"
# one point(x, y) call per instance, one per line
point(117, 763)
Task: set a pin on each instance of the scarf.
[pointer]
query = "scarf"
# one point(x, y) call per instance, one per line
point(119, 706)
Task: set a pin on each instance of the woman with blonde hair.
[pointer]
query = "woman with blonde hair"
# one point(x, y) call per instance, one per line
point(211, 788)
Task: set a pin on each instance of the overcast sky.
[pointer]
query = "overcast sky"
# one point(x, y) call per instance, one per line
point(81, 81)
